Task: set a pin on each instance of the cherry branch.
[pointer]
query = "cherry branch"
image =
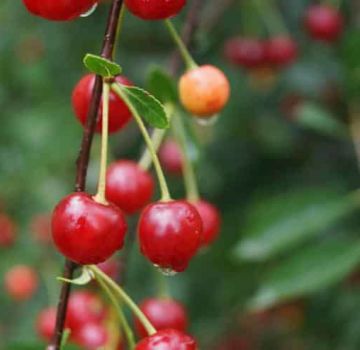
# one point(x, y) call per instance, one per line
point(107, 51)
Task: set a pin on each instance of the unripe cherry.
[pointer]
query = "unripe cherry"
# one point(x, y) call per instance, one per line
point(59, 10)
point(21, 282)
point(128, 186)
point(204, 91)
point(7, 231)
point(167, 339)
point(45, 323)
point(163, 313)
point(170, 157)
point(155, 9)
point(85, 231)
point(281, 51)
point(91, 336)
point(170, 234)
point(119, 113)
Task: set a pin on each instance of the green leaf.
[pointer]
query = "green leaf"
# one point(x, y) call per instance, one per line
point(311, 270)
point(101, 66)
point(316, 118)
point(65, 338)
point(161, 85)
point(277, 224)
point(148, 107)
point(85, 277)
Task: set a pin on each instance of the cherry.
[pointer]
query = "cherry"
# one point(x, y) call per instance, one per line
point(21, 282)
point(211, 220)
point(119, 113)
point(281, 51)
point(324, 22)
point(170, 234)
point(59, 10)
point(204, 91)
point(45, 323)
point(128, 186)
point(85, 231)
point(7, 231)
point(167, 339)
point(162, 314)
point(247, 52)
point(91, 336)
point(155, 9)
point(171, 157)
point(40, 227)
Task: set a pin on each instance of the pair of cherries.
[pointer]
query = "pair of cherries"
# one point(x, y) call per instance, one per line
point(64, 10)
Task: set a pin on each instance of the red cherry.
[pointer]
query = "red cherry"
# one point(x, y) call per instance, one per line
point(45, 323)
point(170, 234)
point(162, 314)
point(7, 231)
point(59, 10)
point(246, 52)
point(281, 51)
point(21, 282)
point(119, 113)
point(128, 186)
point(91, 336)
point(211, 220)
point(167, 339)
point(155, 9)
point(324, 22)
point(85, 231)
point(84, 307)
point(171, 157)
point(40, 227)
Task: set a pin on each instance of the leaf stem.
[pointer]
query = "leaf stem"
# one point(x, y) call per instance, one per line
point(165, 193)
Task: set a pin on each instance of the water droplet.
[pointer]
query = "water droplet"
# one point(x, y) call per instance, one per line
point(209, 121)
point(166, 271)
point(90, 11)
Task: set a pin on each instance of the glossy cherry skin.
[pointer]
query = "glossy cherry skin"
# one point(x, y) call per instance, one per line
point(162, 313)
point(204, 91)
point(211, 221)
point(155, 9)
point(45, 323)
point(59, 10)
point(91, 336)
point(167, 339)
point(7, 231)
point(85, 231)
point(119, 113)
point(324, 22)
point(246, 52)
point(21, 282)
point(170, 234)
point(128, 186)
point(281, 51)
point(171, 157)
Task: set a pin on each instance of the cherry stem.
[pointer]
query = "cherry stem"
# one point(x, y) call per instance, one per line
point(125, 325)
point(118, 28)
point(191, 185)
point(125, 298)
point(100, 196)
point(163, 286)
point(188, 59)
point(165, 193)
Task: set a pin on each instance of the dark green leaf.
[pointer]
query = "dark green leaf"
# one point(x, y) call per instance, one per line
point(161, 85)
point(101, 66)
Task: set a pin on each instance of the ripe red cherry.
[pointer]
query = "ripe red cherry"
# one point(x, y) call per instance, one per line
point(45, 323)
point(59, 10)
point(40, 227)
point(21, 282)
point(7, 231)
point(281, 51)
point(167, 339)
point(170, 234)
point(85, 231)
point(171, 157)
point(119, 113)
point(246, 52)
point(211, 220)
point(324, 22)
point(155, 9)
point(128, 186)
point(91, 336)
point(162, 314)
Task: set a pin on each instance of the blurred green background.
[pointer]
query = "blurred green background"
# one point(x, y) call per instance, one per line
point(286, 185)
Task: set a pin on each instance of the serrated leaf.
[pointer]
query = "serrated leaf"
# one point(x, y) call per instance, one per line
point(278, 224)
point(101, 66)
point(85, 277)
point(148, 107)
point(161, 85)
point(309, 271)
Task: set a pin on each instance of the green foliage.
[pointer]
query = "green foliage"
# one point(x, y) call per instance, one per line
point(101, 66)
